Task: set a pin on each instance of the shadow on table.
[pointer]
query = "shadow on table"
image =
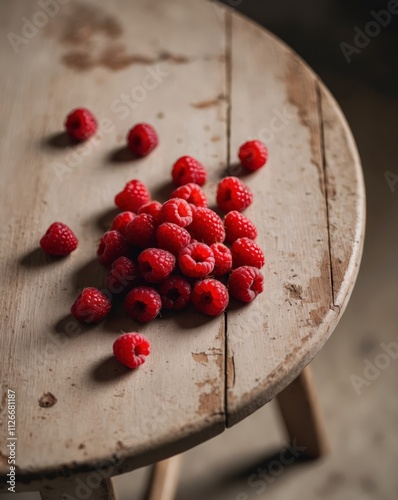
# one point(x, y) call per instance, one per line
point(109, 370)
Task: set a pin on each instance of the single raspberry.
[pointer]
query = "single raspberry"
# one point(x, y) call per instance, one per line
point(59, 240)
point(196, 260)
point(222, 259)
point(177, 211)
point(207, 226)
point(172, 237)
point(80, 124)
point(155, 264)
point(91, 306)
point(175, 292)
point(131, 349)
point(151, 208)
point(141, 231)
point(121, 221)
point(232, 194)
point(134, 195)
point(121, 276)
point(253, 155)
point(210, 297)
point(245, 283)
point(238, 226)
point(187, 169)
point(142, 139)
point(112, 246)
point(192, 193)
point(246, 252)
point(143, 303)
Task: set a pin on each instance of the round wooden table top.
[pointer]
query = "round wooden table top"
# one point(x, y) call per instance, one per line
point(207, 79)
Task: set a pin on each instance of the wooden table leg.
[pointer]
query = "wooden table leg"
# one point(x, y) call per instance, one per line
point(302, 417)
point(88, 487)
point(164, 479)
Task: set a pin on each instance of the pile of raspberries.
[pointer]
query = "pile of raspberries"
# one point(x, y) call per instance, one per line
point(166, 256)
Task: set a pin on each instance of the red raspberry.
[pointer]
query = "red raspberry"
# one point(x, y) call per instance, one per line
point(207, 226)
point(121, 221)
point(232, 194)
point(143, 303)
point(131, 349)
point(59, 240)
point(177, 211)
point(246, 252)
point(191, 193)
point(222, 259)
point(80, 124)
point(175, 292)
point(238, 226)
point(91, 306)
point(121, 276)
point(112, 246)
point(141, 231)
point(245, 283)
point(186, 170)
point(155, 264)
point(142, 139)
point(151, 208)
point(134, 195)
point(210, 297)
point(172, 237)
point(253, 155)
point(196, 260)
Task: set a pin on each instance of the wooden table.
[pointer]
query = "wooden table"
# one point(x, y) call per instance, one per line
point(207, 79)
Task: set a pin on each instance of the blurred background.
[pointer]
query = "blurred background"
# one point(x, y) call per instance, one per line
point(362, 418)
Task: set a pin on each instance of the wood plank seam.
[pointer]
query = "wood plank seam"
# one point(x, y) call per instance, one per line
point(333, 305)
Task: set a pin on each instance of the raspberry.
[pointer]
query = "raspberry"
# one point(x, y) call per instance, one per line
point(186, 170)
point(210, 297)
point(245, 283)
point(131, 349)
point(91, 306)
point(177, 211)
point(142, 303)
point(141, 231)
point(246, 252)
point(121, 276)
point(172, 237)
point(232, 194)
point(191, 193)
point(59, 240)
point(121, 221)
point(112, 246)
point(151, 208)
point(222, 259)
point(134, 195)
point(196, 260)
point(238, 226)
point(207, 226)
point(80, 124)
point(175, 292)
point(253, 155)
point(155, 264)
point(142, 139)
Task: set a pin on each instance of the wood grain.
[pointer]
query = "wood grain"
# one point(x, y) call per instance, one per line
point(207, 79)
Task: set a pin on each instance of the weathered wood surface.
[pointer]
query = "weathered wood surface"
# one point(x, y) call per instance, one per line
point(207, 79)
